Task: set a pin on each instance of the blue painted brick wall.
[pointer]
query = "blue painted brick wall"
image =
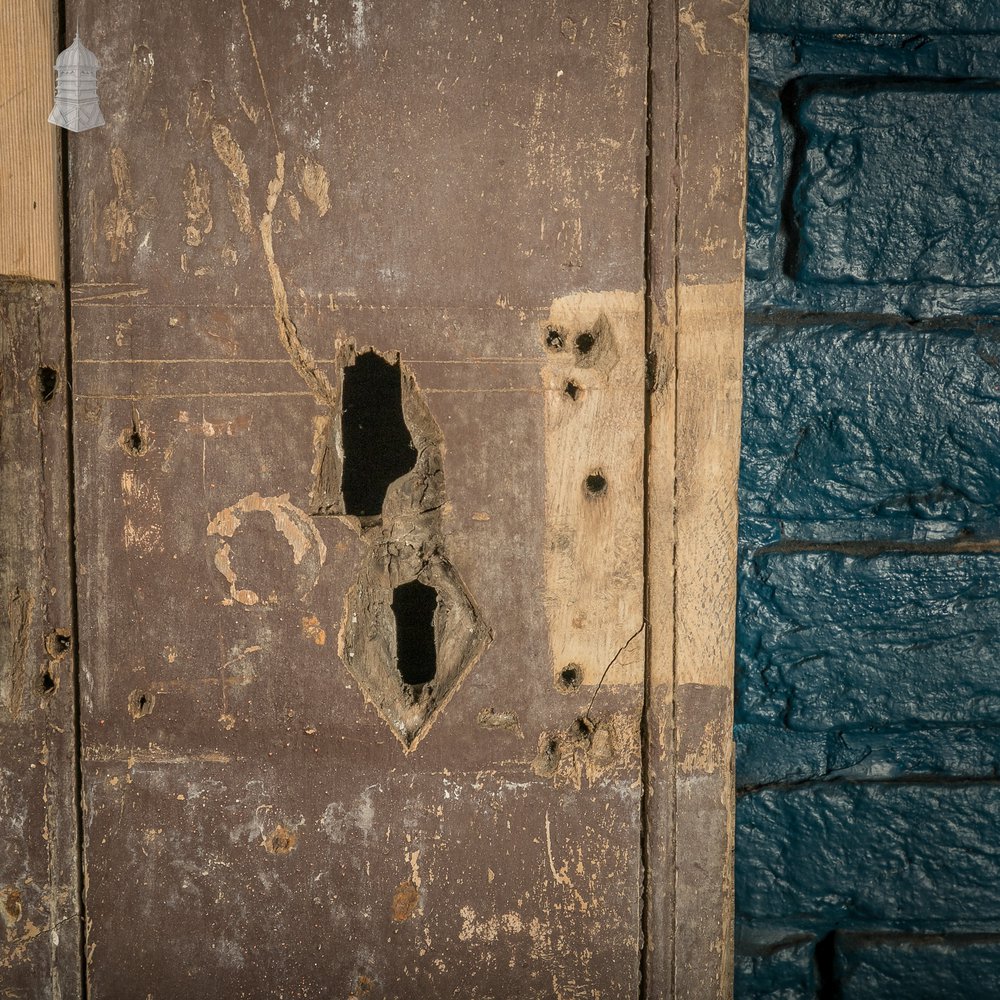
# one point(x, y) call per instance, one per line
point(868, 662)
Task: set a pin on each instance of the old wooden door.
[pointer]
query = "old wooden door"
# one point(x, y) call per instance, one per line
point(376, 326)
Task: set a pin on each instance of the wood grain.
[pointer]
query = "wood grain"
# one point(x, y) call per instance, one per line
point(594, 533)
point(39, 890)
point(697, 182)
point(436, 177)
point(30, 204)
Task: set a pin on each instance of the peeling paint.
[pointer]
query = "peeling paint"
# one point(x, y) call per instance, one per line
point(297, 528)
point(198, 207)
point(314, 183)
point(119, 224)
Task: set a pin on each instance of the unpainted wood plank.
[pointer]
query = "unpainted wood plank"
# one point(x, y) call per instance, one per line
point(659, 784)
point(712, 98)
point(698, 179)
point(29, 182)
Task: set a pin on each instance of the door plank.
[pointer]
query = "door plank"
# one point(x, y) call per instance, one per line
point(697, 177)
point(40, 922)
point(289, 187)
point(39, 872)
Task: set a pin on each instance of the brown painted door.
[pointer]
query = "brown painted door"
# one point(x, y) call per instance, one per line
point(359, 374)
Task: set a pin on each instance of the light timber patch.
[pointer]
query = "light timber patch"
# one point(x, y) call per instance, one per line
point(594, 383)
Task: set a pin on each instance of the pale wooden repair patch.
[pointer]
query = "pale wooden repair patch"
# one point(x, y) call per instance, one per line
point(29, 178)
point(594, 417)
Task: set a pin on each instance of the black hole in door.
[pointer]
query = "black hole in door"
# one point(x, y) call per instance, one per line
point(378, 448)
point(414, 604)
point(48, 380)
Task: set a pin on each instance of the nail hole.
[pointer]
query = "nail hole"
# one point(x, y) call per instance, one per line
point(572, 390)
point(48, 682)
point(58, 644)
point(585, 343)
point(554, 340)
point(582, 728)
point(414, 604)
point(569, 678)
point(140, 703)
point(280, 840)
point(377, 445)
point(48, 380)
point(596, 484)
point(134, 440)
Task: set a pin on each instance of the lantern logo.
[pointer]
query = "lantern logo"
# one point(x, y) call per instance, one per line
point(76, 106)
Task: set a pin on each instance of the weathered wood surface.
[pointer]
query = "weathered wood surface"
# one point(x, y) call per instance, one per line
point(39, 891)
point(30, 189)
point(278, 186)
point(697, 180)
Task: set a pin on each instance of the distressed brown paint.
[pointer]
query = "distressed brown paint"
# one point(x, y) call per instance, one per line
point(461, 188)
point(39, 891)
point(290, 185)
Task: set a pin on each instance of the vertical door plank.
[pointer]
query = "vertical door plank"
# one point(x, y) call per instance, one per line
point(698, 177)
point(39, 890)
point(40, 930)
point(661, 222)
point(283, 188)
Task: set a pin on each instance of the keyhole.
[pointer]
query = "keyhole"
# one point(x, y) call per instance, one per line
point(414, 604)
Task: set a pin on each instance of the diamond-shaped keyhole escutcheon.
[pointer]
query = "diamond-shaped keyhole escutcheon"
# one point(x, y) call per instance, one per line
point(410, 630)
point(409, 645)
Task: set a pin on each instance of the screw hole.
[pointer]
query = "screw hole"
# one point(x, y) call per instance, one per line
point(569, 678)
point(140, 703)
point(58, 644)
point(585, 343)
point(596, 484)
point(48, 381)
point(572, 390)
point(48, 682)
point(554, 340)
point(133, 439)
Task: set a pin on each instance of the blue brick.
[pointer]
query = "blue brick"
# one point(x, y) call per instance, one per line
point(768, 755)
point(765, 180)
point(918, 969)
point(900, 185)
point(882, 432)
point(913, 857)
point(827, 640)
point(774, 964)
point(905, 16)
point(776, 59)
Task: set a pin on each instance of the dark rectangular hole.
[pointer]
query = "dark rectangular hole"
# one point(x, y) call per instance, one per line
point(414, 605)
point(48, 380)
point(378, 448)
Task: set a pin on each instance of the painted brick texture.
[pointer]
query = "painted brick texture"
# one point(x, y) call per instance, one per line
point(868, 661)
